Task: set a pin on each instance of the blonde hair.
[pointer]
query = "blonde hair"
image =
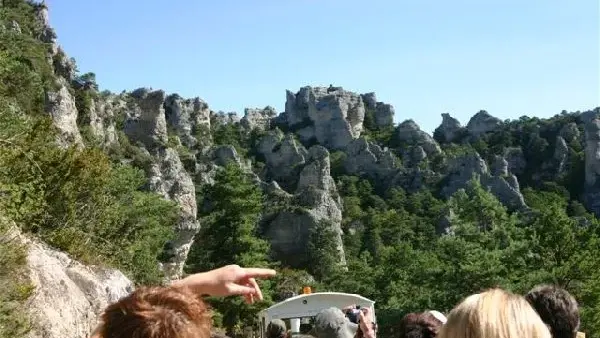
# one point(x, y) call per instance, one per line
point(494, 314)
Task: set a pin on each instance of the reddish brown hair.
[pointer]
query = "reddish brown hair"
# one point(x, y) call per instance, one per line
point(419, 325)
point(157, 312)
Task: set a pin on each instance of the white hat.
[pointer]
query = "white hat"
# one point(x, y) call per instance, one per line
point(439, 316)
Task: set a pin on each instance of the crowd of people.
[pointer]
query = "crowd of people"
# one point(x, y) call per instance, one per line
point(177, 311)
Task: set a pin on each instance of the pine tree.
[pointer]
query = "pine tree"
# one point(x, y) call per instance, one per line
point(229, 230)
point(229, 237)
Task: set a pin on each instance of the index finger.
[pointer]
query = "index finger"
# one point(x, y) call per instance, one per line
point(259, 273)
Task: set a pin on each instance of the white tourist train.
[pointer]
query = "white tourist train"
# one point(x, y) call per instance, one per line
point(303, 307)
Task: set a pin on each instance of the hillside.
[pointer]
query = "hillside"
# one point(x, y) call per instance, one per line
point(329, 191)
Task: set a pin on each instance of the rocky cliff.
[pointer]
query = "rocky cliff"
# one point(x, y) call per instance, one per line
point(298, 157)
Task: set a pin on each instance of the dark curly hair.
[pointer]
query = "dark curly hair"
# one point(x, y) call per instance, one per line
point(419, 325)
point(557, 308)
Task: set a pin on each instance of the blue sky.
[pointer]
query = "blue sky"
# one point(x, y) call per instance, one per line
point(425, 57)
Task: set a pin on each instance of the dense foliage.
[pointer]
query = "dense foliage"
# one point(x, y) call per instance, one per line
point(76, 200)
point(229, 236)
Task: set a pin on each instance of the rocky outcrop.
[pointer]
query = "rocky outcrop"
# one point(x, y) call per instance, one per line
point(60, 104)
point(383, 113)
point(516, 160)
point(591, 121)
point(561, 153)
point(187, 117)
point(499, 182)
point(284, 156)
point(331, 116)
point(449, 131)
point(570, 132)
point(223, 155)
point(103, 114)
point(224, 118)
point(258, 118)
point(146, 125)
point(68, 296)
point(145, 121)
point(316, 200)
point(408, 133)
point(364, 158)
point(482, 123)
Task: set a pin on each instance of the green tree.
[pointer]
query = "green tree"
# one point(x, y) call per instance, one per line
point(229, 236)
point(322, 248)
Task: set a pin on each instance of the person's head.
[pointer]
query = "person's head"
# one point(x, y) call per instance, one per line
point(419, 325)
point(276, 329)
point(154, 312)
point(494, 314)
point(557, 308)
point(332, 323)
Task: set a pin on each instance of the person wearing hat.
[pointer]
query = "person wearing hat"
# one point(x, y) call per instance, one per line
point(333, 323)
point(276, 329)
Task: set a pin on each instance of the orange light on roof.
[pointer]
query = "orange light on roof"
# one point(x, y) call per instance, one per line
point(306, 290)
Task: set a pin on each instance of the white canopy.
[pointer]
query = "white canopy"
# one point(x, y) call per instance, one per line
point(309, 305)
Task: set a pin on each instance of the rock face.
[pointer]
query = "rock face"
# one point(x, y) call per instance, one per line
point(499, 182)
point(516, 160)
point(61, 107)
point(482, 123)
point(409, 133)
point(68, 296)
point(592, 160)
point(331, 116)
point(570, 132)
point(383, 112)
point(367, 159)
point(146, 118)
point(561, 154)
point(102, 118)
point(258, 118)
point(284, 156)
point(316, 199)
point(147, 126)
point(224, 118)
point(449, 130)
point(187, 118)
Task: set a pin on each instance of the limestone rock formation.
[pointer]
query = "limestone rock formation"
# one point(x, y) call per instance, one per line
point(482, 123)
point(146, 125)
point(146, 118)
point(500, 183)
point(315, 200)
point(258, 118)
point(222, 155)
point(592, 160)
point(409, 133)
point(331, 116)
point(188, 117)
point(224, 118)
point(383, 112)
point(449, 130)
point(561, 153)
point(102, 118)
point(364, 158)
point(68, 296)
point(570, 132)
point(60, 105)
point(284, 157)
point(516, 160)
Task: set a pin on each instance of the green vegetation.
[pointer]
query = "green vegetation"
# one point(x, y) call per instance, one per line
point(15, 287)
point(75, 200)
point(229, 236)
